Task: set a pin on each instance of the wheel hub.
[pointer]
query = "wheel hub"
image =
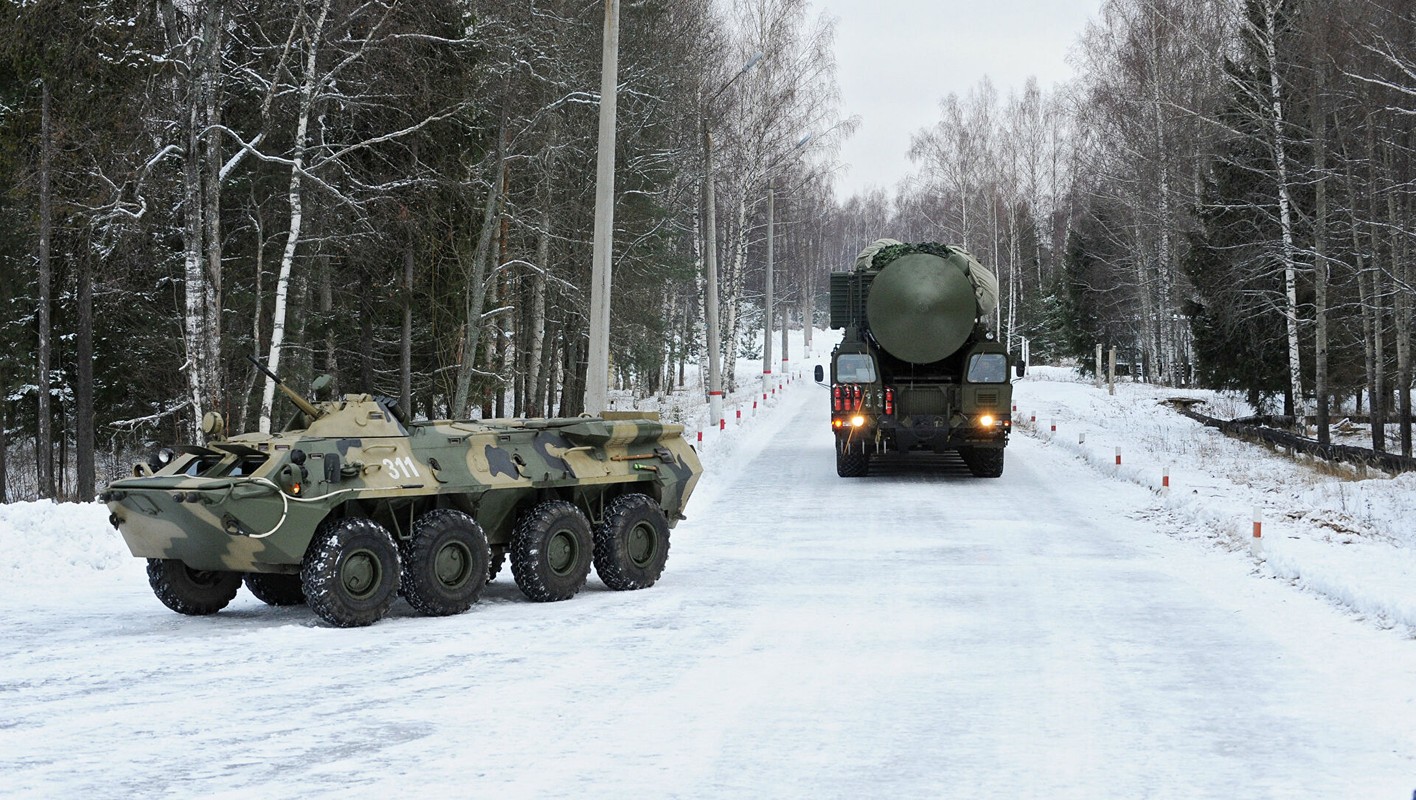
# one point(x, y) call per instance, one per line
point(453, 565)
point(561, 552)
point(641, 545)
point(360, 574)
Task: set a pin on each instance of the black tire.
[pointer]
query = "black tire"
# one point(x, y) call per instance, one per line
point(351, 572)
point(276, 590)
point(551, 551)
point(445, 564)
point(983, 462)
point(498, 559)
point(632, 544)
point(195, 592)
point(851, 460)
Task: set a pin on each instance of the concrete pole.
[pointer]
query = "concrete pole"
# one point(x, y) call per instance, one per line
point(1111, 373)
point(710, 283)
point(597, 372)
point(786, 318)
point(1098, 366)
point(767, 301)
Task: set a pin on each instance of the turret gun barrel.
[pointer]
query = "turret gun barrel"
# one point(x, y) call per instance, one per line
point(301, 403)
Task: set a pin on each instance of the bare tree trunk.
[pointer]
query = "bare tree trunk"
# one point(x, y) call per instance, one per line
point(1285, 207)
point(44, 440)
point(1320, 265)
point(83, 385)
point(292, 239)
point(475, 293)
point(536, 328)
point(732, 296)
point(211, 372)
point(250, 386)
point(4, 445)
point(405, 342)
point(1401, 308)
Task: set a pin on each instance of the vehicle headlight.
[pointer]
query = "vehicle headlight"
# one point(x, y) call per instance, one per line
point(986, 420)
point(857, 421)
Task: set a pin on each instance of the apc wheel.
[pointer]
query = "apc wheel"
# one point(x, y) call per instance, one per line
point(850, 463)
point(983, 462)
point(190, 591)
point(632, 544)
point(551, 550)
point(498, 559)
point(445, 564)
point(351, 572)
point(275, 589)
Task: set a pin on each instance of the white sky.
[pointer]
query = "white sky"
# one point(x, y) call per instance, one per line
point(897, 58)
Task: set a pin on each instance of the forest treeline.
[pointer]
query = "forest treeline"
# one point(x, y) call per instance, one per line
point(402, 195)
point(1224, 193)
point(399, 194)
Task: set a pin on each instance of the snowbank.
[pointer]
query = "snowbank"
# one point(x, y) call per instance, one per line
point(1335, 531)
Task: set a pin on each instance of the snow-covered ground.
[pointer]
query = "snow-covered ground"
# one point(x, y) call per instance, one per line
point(1348, 536)
point(1066, 630)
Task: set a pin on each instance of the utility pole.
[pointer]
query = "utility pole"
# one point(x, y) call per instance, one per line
point(710, 283)
point(767, 301)
point(597, 372)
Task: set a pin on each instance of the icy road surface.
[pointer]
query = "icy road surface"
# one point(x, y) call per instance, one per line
point(918, 634)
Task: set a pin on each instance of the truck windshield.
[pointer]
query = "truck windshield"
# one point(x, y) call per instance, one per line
point(988, 368)
point(855, 368)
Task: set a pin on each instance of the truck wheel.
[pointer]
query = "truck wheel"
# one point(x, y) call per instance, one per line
point(851, 463)
point(446, 563)
point(274, 589)
point(351, 572)
point(632, 544)
point(196, 592)
point(983, 462)
point(551, 551)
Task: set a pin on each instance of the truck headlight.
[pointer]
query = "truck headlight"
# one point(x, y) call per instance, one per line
point(857, 421)
point(986, 421)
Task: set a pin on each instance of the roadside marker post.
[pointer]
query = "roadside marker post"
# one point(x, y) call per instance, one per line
point(1054, 426)
point(1256, 545)
point(1082, 437)
point(1118, 456)
point(1165, 480)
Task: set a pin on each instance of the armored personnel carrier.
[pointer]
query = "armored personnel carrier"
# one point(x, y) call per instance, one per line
point(354, 504)
point(918, 369)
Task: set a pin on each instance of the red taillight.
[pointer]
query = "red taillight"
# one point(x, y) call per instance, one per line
point(889, 400)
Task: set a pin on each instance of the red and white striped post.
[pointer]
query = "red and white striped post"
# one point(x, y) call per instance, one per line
point(1054, 426)
point(1256, 544)
point(723, 424)
point(1118, 456)
point(700, 438)
point(739, 414)
point(1165, 480)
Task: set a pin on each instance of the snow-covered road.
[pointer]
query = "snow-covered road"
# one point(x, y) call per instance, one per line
point(919, 633)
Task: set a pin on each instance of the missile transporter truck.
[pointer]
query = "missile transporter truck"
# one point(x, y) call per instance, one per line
point(353, 504)
point(918, 369)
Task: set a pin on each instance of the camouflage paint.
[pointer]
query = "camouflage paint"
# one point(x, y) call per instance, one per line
point(360, 460)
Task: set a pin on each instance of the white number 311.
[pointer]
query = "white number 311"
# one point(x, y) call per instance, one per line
point(401, 467)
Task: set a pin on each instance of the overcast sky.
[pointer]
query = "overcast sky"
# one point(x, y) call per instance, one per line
point(898, 58)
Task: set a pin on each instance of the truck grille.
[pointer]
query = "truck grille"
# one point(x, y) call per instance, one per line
point(987, 398)
point(916, 401)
